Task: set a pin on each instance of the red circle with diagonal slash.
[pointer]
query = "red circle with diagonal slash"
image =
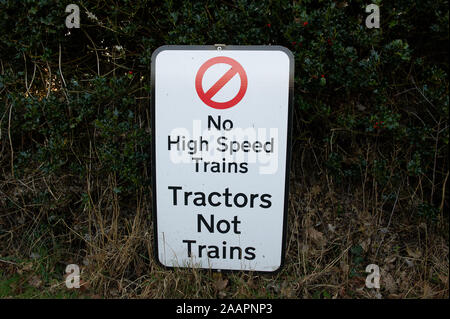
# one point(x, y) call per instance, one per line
point(206, 97)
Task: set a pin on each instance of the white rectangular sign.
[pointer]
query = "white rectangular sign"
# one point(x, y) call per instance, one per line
point(221, 151)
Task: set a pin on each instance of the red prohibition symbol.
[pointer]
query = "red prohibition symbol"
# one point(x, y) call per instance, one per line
point(206, 97)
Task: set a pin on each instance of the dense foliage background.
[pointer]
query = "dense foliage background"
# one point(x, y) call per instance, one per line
point(370, 138)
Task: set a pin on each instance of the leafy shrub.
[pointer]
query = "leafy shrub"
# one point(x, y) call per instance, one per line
point(74, 104)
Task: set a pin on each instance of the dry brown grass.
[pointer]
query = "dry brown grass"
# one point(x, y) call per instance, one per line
point(332, 236)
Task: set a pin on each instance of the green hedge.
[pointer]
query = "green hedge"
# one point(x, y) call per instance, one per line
point(358, 91)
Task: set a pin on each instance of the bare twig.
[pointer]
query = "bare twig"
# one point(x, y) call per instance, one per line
point(435, 160)
point(389, 222)
point(10, 139)
point(441, 207)
point(64, 88)
point(60, 69)
point(9, 262)
point(95, 50)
